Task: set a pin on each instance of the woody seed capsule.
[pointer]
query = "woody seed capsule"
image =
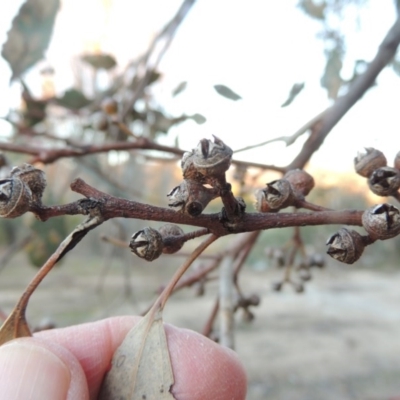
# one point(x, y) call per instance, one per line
point(366, 163)
point(382, 221)
point(34, 178)
point(300, 180)
point(277, 195)
point(345, 246)
point(397, 161)
point(147, 244)
point(384, 181)
point(212, 159)
point(169, 232)
point(15, 198)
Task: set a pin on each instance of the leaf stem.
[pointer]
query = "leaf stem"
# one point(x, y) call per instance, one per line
point(162, 299)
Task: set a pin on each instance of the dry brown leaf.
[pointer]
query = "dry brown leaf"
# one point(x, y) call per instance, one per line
point(14, 326)
point(141, 366)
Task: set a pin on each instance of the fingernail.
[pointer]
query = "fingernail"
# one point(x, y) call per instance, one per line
point(29, 371)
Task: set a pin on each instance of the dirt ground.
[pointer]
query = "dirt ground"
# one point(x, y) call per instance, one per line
point(338, 340)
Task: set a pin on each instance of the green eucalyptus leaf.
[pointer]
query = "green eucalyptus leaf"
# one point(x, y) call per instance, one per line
point(314, 9)
point(35, 109)
point(198, 118)
point(73, 99)
point(179, 89)
point(294, 91)
point(226, 92)
point(99, 61)
point(30, 35)
point(331, 79)
point(154, 76)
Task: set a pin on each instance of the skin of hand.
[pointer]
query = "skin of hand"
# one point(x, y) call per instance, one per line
point(69, 363)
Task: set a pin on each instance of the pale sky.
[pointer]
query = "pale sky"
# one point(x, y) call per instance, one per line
point(257, 48)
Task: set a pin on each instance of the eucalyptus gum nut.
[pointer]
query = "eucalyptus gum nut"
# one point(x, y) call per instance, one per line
point(277, 286)
point(212, 159)
point(191, 196)
point(195, 208)
point(189, 170)
point(15, 198)
point(261, 203)
point(317, 260)
point(381, 221)
point(109, 106)
point(366, 163)
point(254, 300)
point(33, 177)
point(305, 275)
point(346, 246)
point(168, 232)
point(147, 244)
point(199, 197)
point(298, 287)
point(300, 180)
point(397, 161)
point(277, 195)
point(3, 160)
point(178, 196)
point(384, 181)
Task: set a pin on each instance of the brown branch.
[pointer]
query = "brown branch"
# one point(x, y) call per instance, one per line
point(208, 326)
point(242, 256)
point(109, 177)
point(321, 129)
point(114, 207)
point(115, 241)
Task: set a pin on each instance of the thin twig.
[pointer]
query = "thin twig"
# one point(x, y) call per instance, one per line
point(332, 116)
point(287, 139)
point(302, 203)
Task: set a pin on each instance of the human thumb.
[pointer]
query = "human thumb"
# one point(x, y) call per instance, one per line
point(31, 369)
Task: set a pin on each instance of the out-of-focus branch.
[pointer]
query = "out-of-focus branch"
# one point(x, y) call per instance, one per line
point(234, 249)
point(208, 326)
point(226, 302)
point(156, 52)
point(14, 249)
point(49, 155)
point(332, 116)
point(242, 256)
point(109, 178)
